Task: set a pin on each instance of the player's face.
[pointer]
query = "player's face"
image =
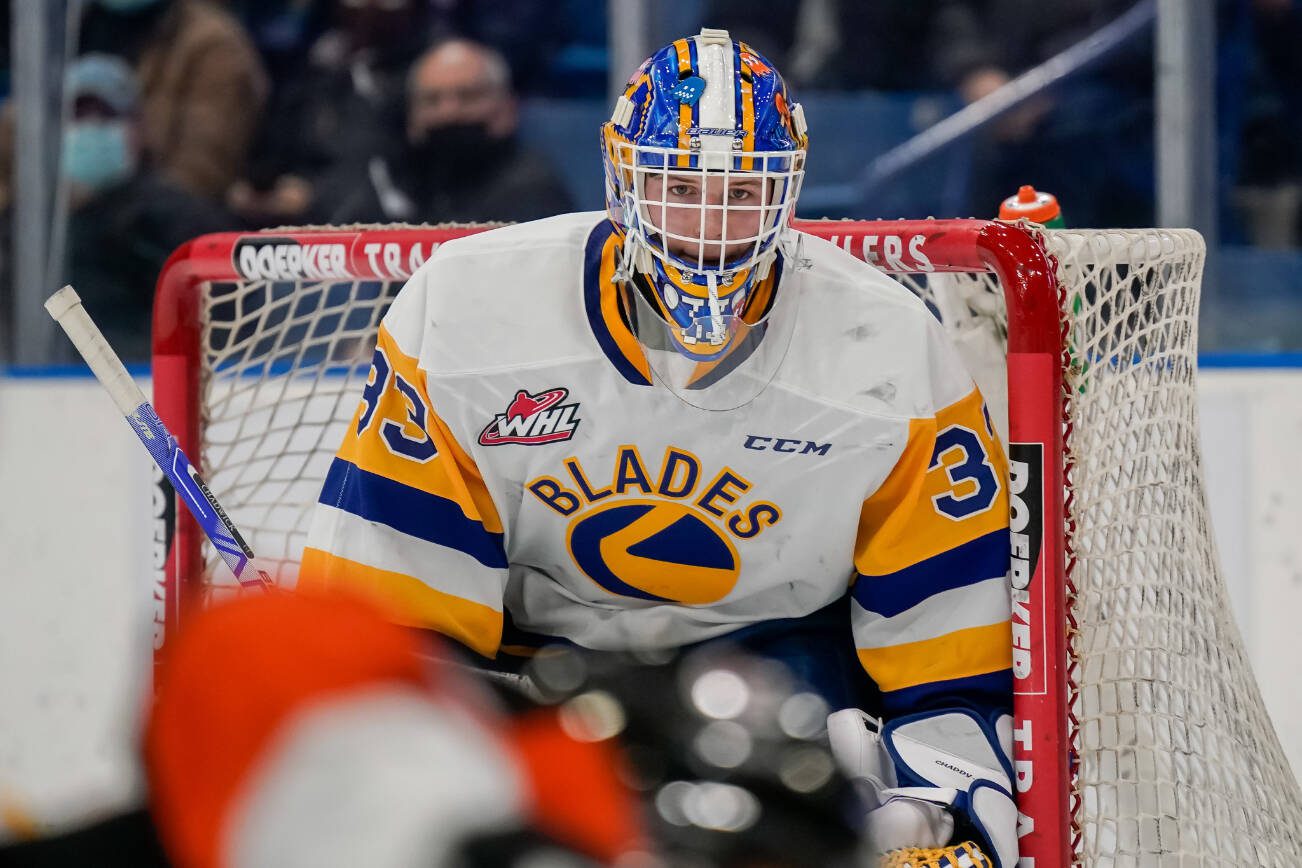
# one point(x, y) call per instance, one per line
point(708, 218)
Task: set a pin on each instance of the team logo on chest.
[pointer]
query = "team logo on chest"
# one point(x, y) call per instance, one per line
point(531, 420)
point(664, 534)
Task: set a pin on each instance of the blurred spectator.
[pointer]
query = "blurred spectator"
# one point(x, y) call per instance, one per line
point(555, 48)
point(338, 112)
point(1270, 172)
point(460, 158)
point(202, 84)
point(1090, 140)
point(125, 216)
point(283, 31)
point(6, 49)
point(893, 45)
point(768, 26)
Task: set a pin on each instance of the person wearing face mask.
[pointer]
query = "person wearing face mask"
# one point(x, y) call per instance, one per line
point(202, 83)
point(460, 159)
point(125, 216)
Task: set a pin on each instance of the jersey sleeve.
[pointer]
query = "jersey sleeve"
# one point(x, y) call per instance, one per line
point(931, 604)
point(404, 517)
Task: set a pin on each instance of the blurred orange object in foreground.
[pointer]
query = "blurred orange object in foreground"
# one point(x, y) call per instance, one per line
point(291, 729)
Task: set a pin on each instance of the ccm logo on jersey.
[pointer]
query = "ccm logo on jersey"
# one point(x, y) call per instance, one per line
point(785, 444)
point(532, 420)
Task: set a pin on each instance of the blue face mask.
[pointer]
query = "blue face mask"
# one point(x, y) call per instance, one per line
point(95, 155)
point(127, 5)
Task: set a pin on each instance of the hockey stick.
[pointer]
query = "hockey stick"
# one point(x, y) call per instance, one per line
point(65, 307)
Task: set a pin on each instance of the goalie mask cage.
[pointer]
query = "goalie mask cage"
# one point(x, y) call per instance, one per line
point(1140, 738)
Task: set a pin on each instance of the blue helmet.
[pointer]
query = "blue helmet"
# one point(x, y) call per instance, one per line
point(704, 156)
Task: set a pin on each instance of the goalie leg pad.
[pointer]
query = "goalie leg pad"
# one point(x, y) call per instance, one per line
point(918, 773)
point(904, 821)
point(991, 809)
point(946, 749)
point(856, 743)
point(957, 749)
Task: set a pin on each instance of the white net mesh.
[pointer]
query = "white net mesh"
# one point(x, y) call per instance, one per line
point(1177, 762)
point(284, 366)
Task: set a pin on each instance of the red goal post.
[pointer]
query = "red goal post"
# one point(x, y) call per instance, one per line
point(1081, 724)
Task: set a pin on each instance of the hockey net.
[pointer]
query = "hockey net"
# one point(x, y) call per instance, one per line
point(1140, 735)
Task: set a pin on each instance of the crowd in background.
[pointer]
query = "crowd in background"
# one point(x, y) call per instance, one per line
point(189, 116)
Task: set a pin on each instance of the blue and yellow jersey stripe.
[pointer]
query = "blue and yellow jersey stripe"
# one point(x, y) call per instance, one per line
point(406, 599)
point(931, 610)
point(601, 302)
point(400, 474)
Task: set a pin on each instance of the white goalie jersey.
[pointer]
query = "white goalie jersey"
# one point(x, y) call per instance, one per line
point(513, 464)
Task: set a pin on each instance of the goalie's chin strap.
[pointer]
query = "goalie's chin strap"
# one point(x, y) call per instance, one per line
point(627, 255)
point(633, 258)
point(716, 314)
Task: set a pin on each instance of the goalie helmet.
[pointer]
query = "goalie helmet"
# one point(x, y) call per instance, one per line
point(703, 156)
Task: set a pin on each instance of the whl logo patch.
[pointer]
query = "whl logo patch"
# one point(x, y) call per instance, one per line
point(532, 420)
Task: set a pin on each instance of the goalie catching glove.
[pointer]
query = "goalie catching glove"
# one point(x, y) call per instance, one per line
point(926, 776)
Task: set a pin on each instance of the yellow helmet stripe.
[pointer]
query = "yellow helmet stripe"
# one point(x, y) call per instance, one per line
point(747, 112)
point(684, 110)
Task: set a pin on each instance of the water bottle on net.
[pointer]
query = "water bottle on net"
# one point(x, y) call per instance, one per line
point(1034, 205)
point(1040, 207)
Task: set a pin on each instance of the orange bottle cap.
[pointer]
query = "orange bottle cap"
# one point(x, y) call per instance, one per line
point(1030, 203)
